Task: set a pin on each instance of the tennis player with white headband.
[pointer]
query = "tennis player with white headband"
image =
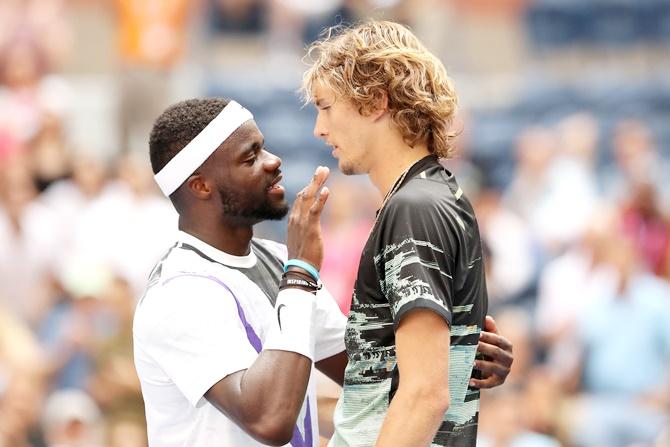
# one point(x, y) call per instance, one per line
point(229, 327)
point(201, 147)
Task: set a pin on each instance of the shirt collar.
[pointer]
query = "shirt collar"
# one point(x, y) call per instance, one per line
point(418, 167)
point(246, 261)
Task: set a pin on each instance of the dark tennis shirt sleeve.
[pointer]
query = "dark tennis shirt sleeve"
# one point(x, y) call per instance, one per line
point(414, 254)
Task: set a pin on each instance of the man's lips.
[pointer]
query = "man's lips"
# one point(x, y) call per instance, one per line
point(275, 182)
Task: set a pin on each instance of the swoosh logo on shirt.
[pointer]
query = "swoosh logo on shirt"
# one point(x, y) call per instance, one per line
point(279, 308)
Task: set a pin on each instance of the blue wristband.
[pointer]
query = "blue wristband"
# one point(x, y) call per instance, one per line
point(303, 265)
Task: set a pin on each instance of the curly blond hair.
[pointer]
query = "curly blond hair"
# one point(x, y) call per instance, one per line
point(362, 63)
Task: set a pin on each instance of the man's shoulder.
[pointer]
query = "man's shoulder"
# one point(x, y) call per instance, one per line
point(427, 189)
point(425, 198)
point(180, 300)
point(183, 272)
point(178, 254)
point(179, 261)
point(277, 249)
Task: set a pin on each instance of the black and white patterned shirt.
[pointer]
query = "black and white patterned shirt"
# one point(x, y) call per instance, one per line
point(424, 252)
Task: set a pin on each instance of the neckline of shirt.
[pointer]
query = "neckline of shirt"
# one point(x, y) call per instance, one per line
point(246, 261)
point(418, 167)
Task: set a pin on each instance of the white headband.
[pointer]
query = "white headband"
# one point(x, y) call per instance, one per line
point(201, 147)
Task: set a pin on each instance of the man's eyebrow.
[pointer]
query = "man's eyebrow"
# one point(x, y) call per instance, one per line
point(252, 147)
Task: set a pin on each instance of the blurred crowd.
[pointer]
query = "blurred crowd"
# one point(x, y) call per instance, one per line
point(577, 249)
point(578, 271)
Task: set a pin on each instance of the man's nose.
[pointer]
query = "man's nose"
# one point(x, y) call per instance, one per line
point(272, 162)
point(319, 129)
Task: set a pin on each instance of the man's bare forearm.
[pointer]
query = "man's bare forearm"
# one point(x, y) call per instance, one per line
point(413, 418)
point(265, 399)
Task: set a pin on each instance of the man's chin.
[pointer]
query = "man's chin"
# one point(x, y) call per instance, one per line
point(347, 168)
point(277, 212)
point(278, 215)
point(266, 212)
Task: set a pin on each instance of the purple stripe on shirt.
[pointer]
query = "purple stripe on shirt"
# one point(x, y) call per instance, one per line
point(251, 334)
point(297, 440)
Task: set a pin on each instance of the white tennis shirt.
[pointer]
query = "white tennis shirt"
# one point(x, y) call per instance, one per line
point(205, 315)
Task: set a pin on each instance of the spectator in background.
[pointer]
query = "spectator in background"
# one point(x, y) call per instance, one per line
point(140, 221)
point(21, 381)
point(29, 248)
point(524, 412)
point(504, 421)
point(152, 39)
point(624, 340)
point(20, 409)
point(75, 328)
point(51, 158)
point(118, 220)
point(71, 198)
point(571, 281)
point(40, 21)
point(645, 224)
point(26, 93)
point(72, 419)
point(126, 431)
point(21, 69)
point(20, 354)
point(113, 383)
point(512, 268)
point(34, 40)
point(636, 159)
point(529, 193)
point(543, 402)
point(572, 176)
point(555, 179)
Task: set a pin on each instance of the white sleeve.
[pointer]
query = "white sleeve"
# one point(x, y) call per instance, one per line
point(329, 321)
point(330, 324)
point(200, 338)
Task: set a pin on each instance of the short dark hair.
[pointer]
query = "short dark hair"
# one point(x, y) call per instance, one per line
point(178, 125)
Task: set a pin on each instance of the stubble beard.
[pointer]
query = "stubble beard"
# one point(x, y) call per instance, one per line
point(346, 167)
point(233, 206)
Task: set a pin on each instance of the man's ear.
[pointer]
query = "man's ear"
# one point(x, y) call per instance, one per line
point(199, 187)
point(381, 105)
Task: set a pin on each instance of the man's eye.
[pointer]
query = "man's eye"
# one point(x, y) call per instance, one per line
point(250, 160)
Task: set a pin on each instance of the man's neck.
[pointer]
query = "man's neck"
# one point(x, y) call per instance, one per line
point(393, 164)
point(234, 240)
